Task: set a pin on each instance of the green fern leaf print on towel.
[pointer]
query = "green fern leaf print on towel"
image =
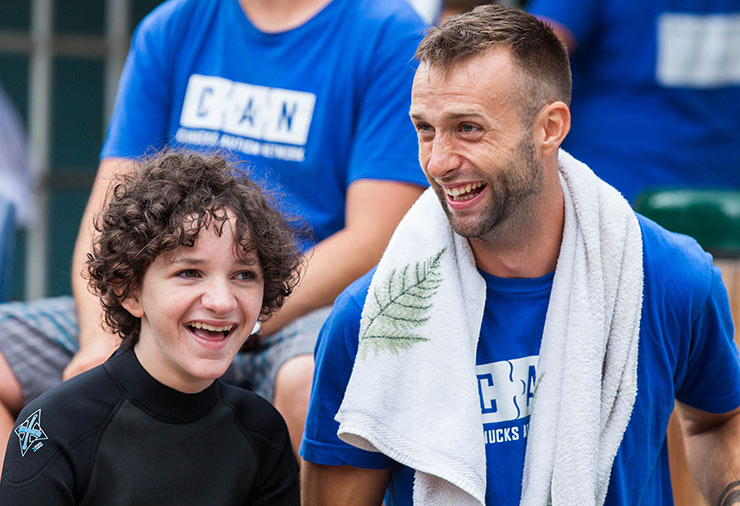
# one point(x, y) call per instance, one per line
point(399, 305)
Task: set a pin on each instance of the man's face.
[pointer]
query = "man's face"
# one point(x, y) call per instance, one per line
point(474, 150)
point(197, 307)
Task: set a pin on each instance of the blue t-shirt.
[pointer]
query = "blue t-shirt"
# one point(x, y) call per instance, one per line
point(686, 351)
point(310, 109)
point(656, 90)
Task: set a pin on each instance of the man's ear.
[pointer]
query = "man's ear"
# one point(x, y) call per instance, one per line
point(551, 126)
point(132, 303)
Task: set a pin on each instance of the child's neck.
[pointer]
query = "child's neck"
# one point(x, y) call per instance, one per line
point(163, 373)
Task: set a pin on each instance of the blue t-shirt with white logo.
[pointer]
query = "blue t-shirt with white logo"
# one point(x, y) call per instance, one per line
point(310, 110)
point(506, 369)
point(686, 351)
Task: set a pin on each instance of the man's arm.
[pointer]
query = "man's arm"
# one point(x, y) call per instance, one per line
point(713, 452)
point(96, 343)
point(373, 209)
point(341, 485)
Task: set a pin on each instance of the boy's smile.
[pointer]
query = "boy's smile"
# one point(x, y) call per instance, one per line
point(207, 331)
point(197, 307)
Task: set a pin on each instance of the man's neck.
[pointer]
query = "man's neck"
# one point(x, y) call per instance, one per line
point(280, 15)
point(526, 246)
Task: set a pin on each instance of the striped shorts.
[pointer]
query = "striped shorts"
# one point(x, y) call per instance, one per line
point(39, 338)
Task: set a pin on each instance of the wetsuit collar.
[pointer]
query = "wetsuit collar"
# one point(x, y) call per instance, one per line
point(159, 400)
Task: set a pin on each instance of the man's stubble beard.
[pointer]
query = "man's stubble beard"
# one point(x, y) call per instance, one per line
point(514, 185)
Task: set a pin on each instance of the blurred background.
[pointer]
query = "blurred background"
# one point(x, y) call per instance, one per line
point(59, 68)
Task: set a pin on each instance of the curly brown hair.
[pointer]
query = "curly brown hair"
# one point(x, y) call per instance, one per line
point(151, 210)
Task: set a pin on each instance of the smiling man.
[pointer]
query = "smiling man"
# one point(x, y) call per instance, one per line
point(526, 334)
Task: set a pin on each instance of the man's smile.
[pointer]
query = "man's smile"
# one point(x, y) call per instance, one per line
point(464, 192)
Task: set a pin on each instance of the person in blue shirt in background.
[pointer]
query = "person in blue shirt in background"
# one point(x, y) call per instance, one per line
point(656, 90)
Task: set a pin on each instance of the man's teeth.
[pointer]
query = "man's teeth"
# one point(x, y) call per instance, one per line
point(456, 192)
point(212, 328)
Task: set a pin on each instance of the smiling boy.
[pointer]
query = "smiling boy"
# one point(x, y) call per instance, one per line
point(188, 258)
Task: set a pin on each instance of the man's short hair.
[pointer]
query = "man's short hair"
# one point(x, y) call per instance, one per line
point(539, 55)
point(163, 205)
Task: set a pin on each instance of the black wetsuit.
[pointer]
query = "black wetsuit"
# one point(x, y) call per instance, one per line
point(115, 436)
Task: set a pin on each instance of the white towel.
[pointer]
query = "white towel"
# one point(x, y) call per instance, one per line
point(413, 395)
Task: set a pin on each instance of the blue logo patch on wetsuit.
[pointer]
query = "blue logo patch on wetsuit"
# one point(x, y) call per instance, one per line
point(30, 433)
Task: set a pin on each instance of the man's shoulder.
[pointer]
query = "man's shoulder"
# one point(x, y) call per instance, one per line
point(357, 291)
point(341, 327)
point(675, 262)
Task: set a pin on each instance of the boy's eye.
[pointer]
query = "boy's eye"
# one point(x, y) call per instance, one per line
point(246, 276)
point(188, 273)
point(468, 128)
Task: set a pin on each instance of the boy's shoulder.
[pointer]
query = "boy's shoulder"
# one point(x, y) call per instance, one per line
point(255, 414)
point(75, 405)
point(58, 422)
point(276, 473)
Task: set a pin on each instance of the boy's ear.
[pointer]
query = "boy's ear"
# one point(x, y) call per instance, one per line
point(132, 303)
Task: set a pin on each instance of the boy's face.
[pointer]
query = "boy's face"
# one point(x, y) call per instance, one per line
point(197, 307)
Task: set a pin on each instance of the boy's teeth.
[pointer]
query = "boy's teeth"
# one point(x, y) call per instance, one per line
point(212, 328)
